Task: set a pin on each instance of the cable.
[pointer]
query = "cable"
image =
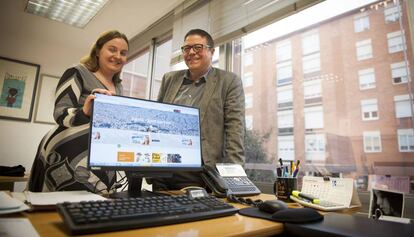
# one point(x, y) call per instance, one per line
point(244, 201)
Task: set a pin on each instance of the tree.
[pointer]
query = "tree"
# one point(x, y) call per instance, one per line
point(253, 144)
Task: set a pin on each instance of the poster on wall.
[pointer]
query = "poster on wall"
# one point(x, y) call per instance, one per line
point(18, 81)
point(46, 99)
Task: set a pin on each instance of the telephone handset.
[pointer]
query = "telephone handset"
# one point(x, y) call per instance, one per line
point(223, 186)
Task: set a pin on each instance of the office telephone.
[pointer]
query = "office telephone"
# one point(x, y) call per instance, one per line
point(223, 186)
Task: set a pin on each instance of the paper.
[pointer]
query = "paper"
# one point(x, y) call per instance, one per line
point(335, 190)
point(17, 227)
point(9, 204)
point(230, 170)
point(52, 198)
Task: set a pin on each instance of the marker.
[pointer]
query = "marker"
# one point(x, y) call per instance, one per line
point(305, 196)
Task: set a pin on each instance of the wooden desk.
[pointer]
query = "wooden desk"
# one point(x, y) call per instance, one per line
point(50, 224)
point(7, 182)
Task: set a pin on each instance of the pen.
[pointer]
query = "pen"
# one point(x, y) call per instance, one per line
point(305, 196)
point(296, 171)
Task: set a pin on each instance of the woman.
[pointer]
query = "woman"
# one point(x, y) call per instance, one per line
point(61, 159)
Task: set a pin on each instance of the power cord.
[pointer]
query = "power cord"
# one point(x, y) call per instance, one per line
point(244, 201)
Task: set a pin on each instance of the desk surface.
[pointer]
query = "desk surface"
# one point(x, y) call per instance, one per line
point(50, 224)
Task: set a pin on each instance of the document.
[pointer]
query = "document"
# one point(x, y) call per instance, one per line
point(9, 204)
point(52, 198)
point(17, 227)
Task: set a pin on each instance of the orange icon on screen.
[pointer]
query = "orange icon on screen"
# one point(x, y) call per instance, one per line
point(125, 156)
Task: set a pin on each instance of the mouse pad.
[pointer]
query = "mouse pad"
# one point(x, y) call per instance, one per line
point(291, 215)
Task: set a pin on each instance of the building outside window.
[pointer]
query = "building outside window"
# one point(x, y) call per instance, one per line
point(283, 51)
point(284, 73)
point(286, 147)
point(361, 23)
point(406, 140)
point(369, 109)
point(248, 101)
point(395, 42)
point(372, 141)
point(392, 13)
point(249, 122)
point(364, 49)
point(403, 107)
point(366, 79)
point(311, 63)
point(314, 117)
point(248, 59)
point(399, 73)
point(339, 97)
point(247, 79)
point(134, 76)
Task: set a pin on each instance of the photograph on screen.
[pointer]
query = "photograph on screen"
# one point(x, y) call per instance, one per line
point(137, 133)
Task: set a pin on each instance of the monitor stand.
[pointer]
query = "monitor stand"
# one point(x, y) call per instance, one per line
point(135, 185)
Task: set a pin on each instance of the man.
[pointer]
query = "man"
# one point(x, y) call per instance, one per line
point(220, 97)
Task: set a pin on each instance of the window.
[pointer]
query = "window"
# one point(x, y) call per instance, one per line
point(286, 147)
point(249, 101)
point(366, 79)
point(395, 42)
point(402, 106)
point(399, 73)
point(310, 43)
point(285, 119)
point(285, 96)
point(315, 147)
point(248, 59)
point(406, 140)
point(392, 14)
point(314, 117)
point(312, 89)
point(364, 49)
point(134, 76)
point(247, 79)
point(372, 142)
point(161, 65)
point(330, 84)
point(361, 23)
point(369, 109)
point(311, 63)
point(284, 73)
point(249, 122)
point(283, 51)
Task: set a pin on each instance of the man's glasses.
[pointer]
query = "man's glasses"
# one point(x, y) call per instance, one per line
point(196, 47)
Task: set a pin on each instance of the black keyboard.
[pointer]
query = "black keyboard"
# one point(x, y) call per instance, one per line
point(132, 213)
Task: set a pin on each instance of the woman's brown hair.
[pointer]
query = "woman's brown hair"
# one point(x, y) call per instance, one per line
point(91, 61)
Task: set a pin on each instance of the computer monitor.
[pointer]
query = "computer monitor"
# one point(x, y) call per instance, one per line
point(144, 138)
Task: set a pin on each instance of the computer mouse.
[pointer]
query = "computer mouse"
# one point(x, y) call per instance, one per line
point(272, 206)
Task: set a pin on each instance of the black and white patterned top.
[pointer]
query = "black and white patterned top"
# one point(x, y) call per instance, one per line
point(61, 159)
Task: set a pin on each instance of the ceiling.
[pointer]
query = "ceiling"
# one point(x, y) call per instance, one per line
point(128, 16)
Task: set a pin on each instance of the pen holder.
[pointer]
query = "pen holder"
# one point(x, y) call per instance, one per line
point(283, 187)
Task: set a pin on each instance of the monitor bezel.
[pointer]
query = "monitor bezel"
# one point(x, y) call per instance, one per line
point(146, 170)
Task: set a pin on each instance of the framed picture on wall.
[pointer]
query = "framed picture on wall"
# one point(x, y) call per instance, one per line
point(18, 81)
point(46, 99)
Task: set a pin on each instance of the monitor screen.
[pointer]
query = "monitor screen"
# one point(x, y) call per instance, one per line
point(133, 134)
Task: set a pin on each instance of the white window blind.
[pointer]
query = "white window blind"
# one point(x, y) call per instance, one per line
point(312, 89)
point(225, 19)
point(366, 79)
point(310, 43)
point(406, 140)
point(283, 51)
point(286, 147)
point(311, 63)
point(284, 94)
point(395, 42)
point(285, 119)
point(399, 72)
point(364, 49)
point(361, 23)
point(314, 117)
point(369, 109)
point(402, 106)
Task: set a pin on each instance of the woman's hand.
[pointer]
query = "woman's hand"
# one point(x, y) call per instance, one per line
point(87, 107)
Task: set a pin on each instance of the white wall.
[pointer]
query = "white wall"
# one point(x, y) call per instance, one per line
point(25, 37)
